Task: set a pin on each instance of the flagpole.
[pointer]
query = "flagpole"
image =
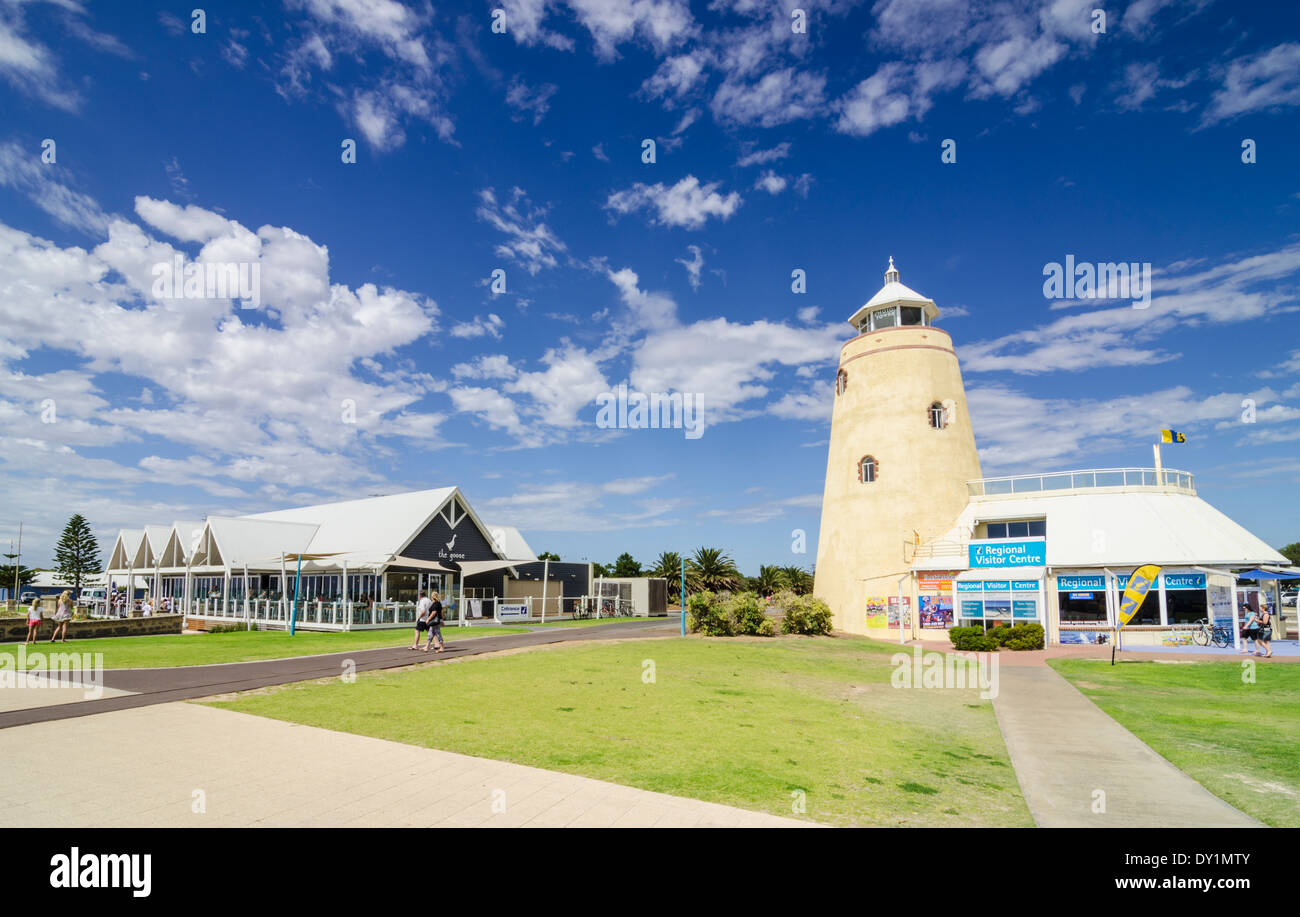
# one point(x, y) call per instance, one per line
point(1160, 474)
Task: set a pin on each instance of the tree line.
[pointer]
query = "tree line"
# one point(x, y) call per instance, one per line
point(707, 570)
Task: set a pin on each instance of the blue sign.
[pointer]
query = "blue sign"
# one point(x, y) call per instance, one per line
point(1184, 580)
point(970, 586)
point(1068, 583)
point(997, 585)
point(1016, 552)
point(1082, 596)
point(971, 609)
point(1024, 608)
point(1024, 585)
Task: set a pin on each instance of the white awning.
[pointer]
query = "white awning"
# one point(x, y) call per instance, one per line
point(473, 567)
point(403, 561)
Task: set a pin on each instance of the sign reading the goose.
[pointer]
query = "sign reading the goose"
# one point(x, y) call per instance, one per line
point(1139, 584)
point(1007, 552)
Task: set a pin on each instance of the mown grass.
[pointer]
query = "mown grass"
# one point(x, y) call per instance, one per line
point(1234, 732)
point(745, 722)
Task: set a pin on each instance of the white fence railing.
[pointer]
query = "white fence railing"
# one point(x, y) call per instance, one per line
point(1167, 479)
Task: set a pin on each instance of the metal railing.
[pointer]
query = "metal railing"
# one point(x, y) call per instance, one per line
point(1166, 479)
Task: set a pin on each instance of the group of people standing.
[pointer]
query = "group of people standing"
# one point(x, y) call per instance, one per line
point(1259, 628)
point(62, 615)
point(428, 617)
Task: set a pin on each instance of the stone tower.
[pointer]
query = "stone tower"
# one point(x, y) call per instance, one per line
point(901, 451)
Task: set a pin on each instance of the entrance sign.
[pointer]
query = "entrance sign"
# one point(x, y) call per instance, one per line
point(512, 612)
point(1002, 552)
point(1184, 580)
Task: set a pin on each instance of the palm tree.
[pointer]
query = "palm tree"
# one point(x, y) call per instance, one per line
point(770, 580)
point(669, 566)
point(798, 580)
point(711, 570)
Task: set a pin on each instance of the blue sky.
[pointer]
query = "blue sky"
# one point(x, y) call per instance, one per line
point(521, 151)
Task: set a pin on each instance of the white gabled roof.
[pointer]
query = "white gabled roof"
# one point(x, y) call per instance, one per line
point(242, 541)
point(374, 526)
point(1122, 530)
point(511, 543)
point(125, 548)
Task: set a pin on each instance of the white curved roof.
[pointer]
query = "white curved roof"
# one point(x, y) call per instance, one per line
point(1122, 529)
point(894, 292)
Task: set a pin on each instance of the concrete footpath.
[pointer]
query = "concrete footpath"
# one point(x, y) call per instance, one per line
point(188, 765)
point(1067, 753)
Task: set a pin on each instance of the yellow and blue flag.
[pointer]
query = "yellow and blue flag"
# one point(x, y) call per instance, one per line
point(1139, 584)
point(1172, 436)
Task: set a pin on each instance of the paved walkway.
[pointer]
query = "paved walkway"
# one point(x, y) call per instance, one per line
point(145, 687)
point(146, 767)
point(1065, 749)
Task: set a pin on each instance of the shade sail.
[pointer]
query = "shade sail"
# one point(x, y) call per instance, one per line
point(399, 560)
point(472, 567)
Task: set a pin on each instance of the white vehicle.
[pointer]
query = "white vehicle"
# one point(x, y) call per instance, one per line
point(92, 597)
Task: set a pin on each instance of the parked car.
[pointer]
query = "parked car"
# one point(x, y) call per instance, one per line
point(1289, 598)
point(25, 598)
point(91, 597)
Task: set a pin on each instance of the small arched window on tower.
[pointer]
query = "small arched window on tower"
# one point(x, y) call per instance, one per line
point(938, 416)
point(867, 470)
point(841, 382)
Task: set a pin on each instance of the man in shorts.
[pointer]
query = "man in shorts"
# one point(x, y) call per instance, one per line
point(421, 618)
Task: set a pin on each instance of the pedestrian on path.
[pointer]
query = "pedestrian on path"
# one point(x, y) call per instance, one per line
point(1264, 635)
point(33, 619)
point(62, 615)
point(421, 617)
point(435, 624)
point(1249, 629)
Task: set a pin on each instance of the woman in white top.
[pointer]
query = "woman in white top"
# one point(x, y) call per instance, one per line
point(62, 615)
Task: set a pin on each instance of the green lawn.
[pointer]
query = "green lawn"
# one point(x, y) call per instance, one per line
point(242, 646)
point(1240, 741)
point(745, 722)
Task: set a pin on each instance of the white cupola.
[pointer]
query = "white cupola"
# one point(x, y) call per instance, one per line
point(894, 305)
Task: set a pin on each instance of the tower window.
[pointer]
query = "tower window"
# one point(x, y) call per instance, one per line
point(867, 469)
point(841, 382)
point(884, 318)
point(938, 416)
point(911, 315)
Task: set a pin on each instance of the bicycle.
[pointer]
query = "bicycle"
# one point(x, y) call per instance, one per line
point(1207, 632)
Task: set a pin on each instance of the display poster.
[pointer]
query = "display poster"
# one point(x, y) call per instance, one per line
point(1221, 606)
point(899, 604)
point(876, 611)
point(936, 611)
point(1025, 609)
point(935, 580)
point(997, 608)
point(972, 608)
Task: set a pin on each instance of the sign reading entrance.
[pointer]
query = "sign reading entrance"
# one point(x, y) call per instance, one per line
point(1003, 552)
point(511, 612)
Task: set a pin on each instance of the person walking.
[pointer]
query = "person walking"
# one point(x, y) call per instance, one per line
point(33, 619)
point(421, 618)
point(1249, 628)
point(1264, 636)
point(435, 624)
point(62, 615)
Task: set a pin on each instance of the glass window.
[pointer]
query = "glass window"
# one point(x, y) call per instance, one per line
point(1038, 528)
point(1184, 606)
point(1082, 607)
point(997, 530)
point(867, 469)
point(938, 416)
point(841, 382)
point(1017, 529)
point(911, 315)
point(884, 318)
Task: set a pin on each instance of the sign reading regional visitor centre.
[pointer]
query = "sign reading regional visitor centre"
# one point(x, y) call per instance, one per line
point(1016, 552)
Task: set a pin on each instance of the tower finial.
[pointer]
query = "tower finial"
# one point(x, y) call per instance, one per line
point(891, 275)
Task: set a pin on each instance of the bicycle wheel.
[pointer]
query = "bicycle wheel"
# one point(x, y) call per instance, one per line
point(1201, 636)
point(1221, 638)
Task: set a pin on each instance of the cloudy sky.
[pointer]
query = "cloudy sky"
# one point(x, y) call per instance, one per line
point(508, 139)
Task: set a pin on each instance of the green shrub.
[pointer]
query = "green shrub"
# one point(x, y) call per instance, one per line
point(1028, 636)
point(706, 615)
point(972, 640)
point(227, 628)
point(745, 611)
point(805, 614)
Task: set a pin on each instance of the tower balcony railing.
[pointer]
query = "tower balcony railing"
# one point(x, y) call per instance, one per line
point(1166, 480)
